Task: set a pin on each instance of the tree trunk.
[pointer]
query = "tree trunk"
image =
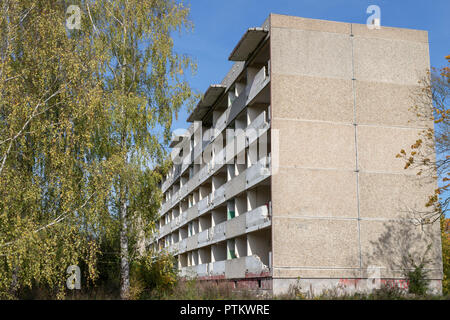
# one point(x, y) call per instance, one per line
point(124, 261)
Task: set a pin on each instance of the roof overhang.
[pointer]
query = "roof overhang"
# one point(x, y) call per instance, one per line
point(211, 95)
point(177, 138)
point(248, 43)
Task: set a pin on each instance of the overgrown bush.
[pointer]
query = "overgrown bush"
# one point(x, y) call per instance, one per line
point(418, 284)
point(153, 276)
point(207, 290)
point(445, 239)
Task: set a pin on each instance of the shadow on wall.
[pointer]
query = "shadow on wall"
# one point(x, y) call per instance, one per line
point(401, 247)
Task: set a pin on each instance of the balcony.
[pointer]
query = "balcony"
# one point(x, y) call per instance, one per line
point(250, 221)
point(257, 218)
point(249, 95)
point(251, 176)
point(203, 237)
point(203, 205)
point(257, 128)
point(218, 196)
point(217, 269)
point(182, 245)
point(203, 173)
point(174, 248)
point(262, 78)
point(258, 172)
point(221, 124)
point(230, 269)
point(218, 232)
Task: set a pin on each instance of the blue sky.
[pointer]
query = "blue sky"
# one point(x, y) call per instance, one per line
point(218, 26)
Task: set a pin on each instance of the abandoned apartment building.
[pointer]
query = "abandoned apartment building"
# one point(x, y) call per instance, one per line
point(314, 192)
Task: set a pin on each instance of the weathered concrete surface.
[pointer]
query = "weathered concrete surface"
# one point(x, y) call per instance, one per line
point(294, 91)
point(316, 144)
point(315, 193)
point(341, 98)
point(315, 243)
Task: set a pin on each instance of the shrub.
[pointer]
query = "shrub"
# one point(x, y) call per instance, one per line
point(153, 276)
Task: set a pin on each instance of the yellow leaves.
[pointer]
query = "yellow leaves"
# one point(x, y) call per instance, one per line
point(417, 144)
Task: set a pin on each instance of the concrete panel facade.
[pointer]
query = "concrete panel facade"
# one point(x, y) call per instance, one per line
point(315, 193)
point(341, 98)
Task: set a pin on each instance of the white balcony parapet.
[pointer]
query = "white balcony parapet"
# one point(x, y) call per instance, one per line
point(258, 172)
point(202, 270)
point(203, 173)
point(174, 248)
point(164, 230)
point(182, 245)
point(217, 268)
point(219, 195)
point(218, 231)
point(262, 78)
point(257, 127)
point(257, 217)
point(221, 124)
point(254, 265)
point(203, 205)
point(254, 175)
point(259, 82)
point(188, 272)
point(202, 237)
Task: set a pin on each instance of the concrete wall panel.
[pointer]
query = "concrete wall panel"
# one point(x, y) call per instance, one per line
point(315, 193)
point(312, 53)
point(312, 98)
point(235, 227)
point(361, 30)
point(393, 196)
point(316, 144)
point(283, 21)
point(387, 104)
point(192, 242)
point(315, 243)
point(236, 186)
point(378, 147)
point(390, 244)
point(393, 61)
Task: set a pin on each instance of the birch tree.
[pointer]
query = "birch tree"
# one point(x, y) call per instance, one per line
point(144, 87)
point(51, 188)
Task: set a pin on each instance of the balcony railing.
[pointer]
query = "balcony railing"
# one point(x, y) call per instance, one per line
point(217, 268)
point(257, 217)
point(254, 219)
point(259, 124)
point(231, 269)
point(203, 204)
point(252, 90)
point(258, 172)
point(257, 127)
point(218, 196)
point(203, 237)
point(259, 82)
point(253, 175)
